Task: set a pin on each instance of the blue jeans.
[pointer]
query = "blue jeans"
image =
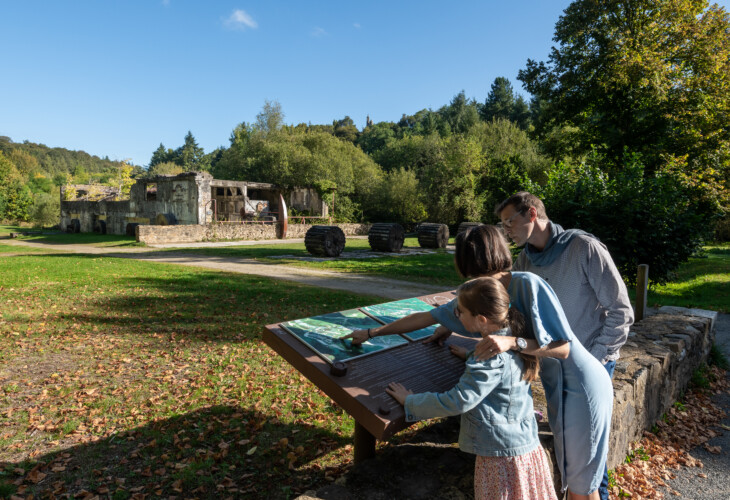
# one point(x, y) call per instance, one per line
point(603, 488)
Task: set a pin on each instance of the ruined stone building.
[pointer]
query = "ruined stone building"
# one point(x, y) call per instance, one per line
point(188, 198)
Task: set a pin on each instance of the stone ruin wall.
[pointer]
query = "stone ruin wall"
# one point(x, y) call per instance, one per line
point(185, 195)
point(154, 235)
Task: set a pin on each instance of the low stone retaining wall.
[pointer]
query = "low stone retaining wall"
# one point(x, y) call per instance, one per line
point(656, 366)
point(193, 233)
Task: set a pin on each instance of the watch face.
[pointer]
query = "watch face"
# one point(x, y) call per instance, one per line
point(521, 343)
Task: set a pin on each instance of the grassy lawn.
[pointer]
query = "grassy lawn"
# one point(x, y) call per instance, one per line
point(120, 377)
point(703, 282)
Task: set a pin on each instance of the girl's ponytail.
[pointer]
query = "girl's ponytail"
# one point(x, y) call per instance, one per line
point(517, 324)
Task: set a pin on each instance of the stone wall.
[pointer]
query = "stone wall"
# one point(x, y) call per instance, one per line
point(656, 366)
point(153, 235)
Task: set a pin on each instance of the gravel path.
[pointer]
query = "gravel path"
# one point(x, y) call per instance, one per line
point(349, 282)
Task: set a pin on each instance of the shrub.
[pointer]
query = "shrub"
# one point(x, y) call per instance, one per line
point(45, 210)
point(643, 218)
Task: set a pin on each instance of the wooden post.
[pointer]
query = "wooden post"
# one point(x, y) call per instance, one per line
point(642, 283)
point(364, 443)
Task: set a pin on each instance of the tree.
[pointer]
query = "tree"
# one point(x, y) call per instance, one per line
point(399, 198)
point(124, 180)
point(461, 113)
point(643, 218)
point(645, 76)
point(376, 136)
point(190, 156)
point(166, 168)
point(270, 119)
point(500, 101)
point(345, 129)
point(520, 113)
point(15, 197)
point(161, 155)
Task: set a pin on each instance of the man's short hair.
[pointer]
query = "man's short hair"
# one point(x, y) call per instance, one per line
point(522, 202)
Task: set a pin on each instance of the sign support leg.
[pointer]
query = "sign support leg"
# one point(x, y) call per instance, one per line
point(364, 443)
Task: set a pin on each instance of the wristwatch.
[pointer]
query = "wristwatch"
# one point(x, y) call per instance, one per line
point(521, 344)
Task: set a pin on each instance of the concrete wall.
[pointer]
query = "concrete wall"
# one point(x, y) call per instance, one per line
point(153, 235)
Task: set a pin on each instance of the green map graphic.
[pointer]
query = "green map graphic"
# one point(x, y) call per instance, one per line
point(391, 311)
point(323, 335)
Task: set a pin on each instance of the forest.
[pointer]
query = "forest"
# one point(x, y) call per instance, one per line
point(624, 134)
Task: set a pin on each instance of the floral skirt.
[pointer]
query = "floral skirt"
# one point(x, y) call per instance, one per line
point(525, 477)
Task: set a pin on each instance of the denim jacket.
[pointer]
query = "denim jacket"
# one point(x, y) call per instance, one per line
point(495, 403)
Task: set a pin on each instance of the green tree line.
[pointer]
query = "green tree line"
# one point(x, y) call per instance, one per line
point(31, 174)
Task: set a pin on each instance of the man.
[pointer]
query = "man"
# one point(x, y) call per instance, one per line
point(581, 272)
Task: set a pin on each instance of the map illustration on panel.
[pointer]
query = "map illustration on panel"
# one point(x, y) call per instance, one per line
point(323, 334)
point(391, 311)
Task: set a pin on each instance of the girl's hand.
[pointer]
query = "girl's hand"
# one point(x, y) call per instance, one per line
point(398, 391)
point(491, 345)
point(358, 336)
point(439, 335)
point(459, 352)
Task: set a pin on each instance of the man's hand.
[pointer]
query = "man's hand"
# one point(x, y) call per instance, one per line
point(491, 345)
point(398, 391)
point(439, 335)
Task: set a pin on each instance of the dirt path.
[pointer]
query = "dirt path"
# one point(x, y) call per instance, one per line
point(356, 283)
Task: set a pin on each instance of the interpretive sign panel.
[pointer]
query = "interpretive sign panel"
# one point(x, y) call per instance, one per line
point(361, 389)
point(323, 334)
point(391, 311)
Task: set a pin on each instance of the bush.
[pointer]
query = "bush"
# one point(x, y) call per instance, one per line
point(655, 219)
point(45, 210)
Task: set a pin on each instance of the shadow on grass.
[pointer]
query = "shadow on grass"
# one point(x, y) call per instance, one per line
point(221, 450)
point(106, 240)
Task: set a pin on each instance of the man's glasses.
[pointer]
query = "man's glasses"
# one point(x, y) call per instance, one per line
point(508, 223)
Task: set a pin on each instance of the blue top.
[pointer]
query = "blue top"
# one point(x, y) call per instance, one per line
point(578, 389)
point(495, 403)
point(445, 316)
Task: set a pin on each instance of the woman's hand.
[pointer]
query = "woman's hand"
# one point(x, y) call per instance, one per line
point(491, 345)
point(398, 391)
point(358, 336)
point(458, 351)
point(439, 335)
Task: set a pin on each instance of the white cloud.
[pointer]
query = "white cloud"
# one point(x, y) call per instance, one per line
point(356, 25)
point(240, 20)
point(318, 32)
point(166, 3)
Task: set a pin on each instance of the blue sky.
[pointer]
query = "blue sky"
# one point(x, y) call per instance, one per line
point(117, 78)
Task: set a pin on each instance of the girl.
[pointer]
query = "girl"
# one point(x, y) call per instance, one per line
point(494, 399)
